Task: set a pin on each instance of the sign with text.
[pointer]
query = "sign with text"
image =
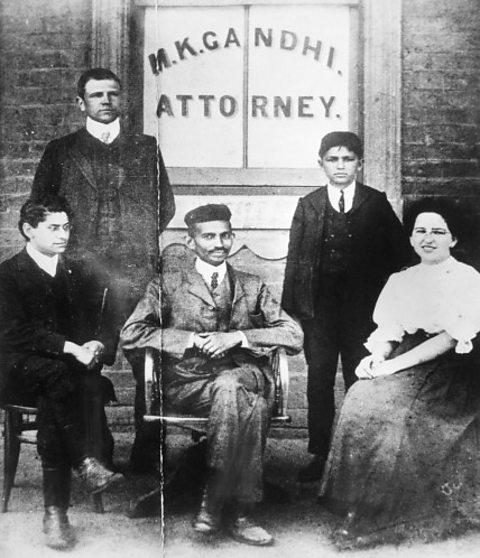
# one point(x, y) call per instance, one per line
point(245, 87)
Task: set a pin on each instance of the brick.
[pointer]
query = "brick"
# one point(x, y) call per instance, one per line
point(40, 95)
point(436, 114)
point(67, 39)
point(31, 8)
point(15, 167)
point(447, 42)
point(432, 134)
point(440, 151)
point(440, 80)
point(15, 185)
point(438, 99)
point(47, 79)
point(42, 122)
point(426, 9)
point(455, 186)
point(418, 58)
point(441, 168)
point(22, 149)
point(49, 59)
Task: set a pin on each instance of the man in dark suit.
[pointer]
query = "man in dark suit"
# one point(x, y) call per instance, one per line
point(215, 326)
point(53, 342)
point(345, 241)
point(117, 184)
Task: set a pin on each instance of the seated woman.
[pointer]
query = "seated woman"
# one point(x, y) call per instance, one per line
point(405, 458)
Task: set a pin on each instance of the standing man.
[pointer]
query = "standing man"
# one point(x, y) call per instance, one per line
point(345, 241)
point(215, 327)
point(117, 185)
point(52, 346)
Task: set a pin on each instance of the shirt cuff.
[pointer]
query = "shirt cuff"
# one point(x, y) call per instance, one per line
point(244, 342)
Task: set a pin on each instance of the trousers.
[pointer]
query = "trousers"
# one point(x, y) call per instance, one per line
point(71, 414)
point(233, 400)
point(341, 325)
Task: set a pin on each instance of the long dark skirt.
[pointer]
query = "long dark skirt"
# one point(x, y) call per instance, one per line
point(406, 451)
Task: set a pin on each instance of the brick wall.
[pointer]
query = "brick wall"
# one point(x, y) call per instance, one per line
point(44, 45)
point(441, 112)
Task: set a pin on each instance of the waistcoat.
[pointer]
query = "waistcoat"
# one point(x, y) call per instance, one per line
point(337, 241)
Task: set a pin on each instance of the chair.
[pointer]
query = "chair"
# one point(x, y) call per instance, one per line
point(152, 502)
point(19, 428)
point(153, 395)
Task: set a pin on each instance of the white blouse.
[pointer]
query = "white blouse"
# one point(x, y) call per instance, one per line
point(435, 298)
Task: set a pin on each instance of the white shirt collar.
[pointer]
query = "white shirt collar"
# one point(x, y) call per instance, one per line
point(47, 263)
point(206, 270)
point(348, 193)
point(97, 129)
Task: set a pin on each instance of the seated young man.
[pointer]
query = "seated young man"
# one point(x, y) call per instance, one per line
point(216, 326)
point(53, 342)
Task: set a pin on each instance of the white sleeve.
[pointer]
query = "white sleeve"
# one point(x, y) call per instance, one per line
point(462, 317)
point(388, 312)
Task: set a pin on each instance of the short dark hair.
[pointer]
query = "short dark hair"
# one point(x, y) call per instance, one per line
point(98, 74)
point(205, 213)
point(442, 206)
point(349, 140)
point(35, 210)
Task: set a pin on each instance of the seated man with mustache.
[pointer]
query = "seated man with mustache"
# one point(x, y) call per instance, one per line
point(215, 327)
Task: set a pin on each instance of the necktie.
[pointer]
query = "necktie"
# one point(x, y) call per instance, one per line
point(341, 202)
point(214, 280)
point(105, 137)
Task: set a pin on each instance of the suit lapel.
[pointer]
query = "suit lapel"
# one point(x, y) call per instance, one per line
point(65, 269)
point(79, 155)
point(319, 201)
point(197, 286)
point(237, 286)
point(31, 270)
point(361, 194)
point(238, 289)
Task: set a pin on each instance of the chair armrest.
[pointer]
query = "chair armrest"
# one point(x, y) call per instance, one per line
point(279, 365)
point(152, 387)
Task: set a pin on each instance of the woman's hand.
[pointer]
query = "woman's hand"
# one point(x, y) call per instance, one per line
point(364, 368)
point(374, 366)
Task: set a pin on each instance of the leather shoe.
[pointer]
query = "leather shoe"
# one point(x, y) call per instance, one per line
point(313, 471)
point(95, 476)
point(207, 520)
point(58, 531)
point(244, 530)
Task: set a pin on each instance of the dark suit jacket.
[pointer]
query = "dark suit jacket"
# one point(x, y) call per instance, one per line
point(380, 247)
point(146, 199)
point(27, 325)
point(179, 303)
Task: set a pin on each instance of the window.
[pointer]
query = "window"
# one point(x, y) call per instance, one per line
point(241, 93)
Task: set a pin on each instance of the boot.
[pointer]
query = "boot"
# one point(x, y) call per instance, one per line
point(207, 520)
point(95, 476)
point(58, 531)
point(56, 494)
point(243, 529)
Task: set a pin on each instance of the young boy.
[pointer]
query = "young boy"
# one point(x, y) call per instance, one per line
point(345, 241)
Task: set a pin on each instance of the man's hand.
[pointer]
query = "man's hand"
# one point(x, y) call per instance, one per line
point(217, 344)
point(83, 354)
point(96, 347)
